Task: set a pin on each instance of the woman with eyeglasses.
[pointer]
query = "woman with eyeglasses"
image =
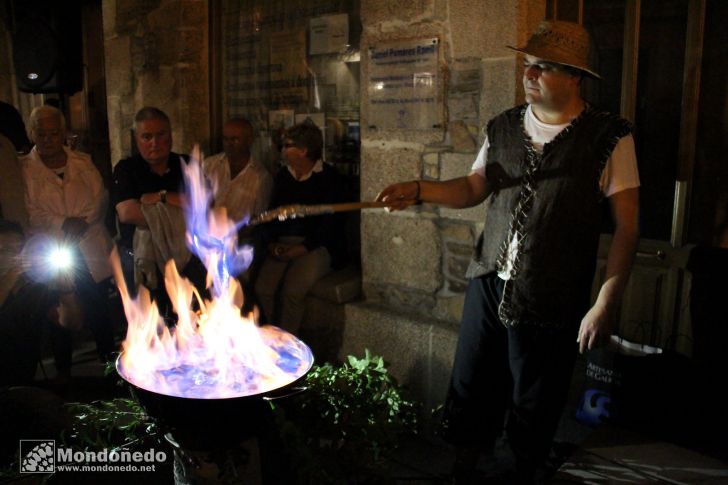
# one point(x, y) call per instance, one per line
point(300, 251)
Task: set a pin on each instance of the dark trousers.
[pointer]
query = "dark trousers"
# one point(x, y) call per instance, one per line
point(126, 258)
point(518, 374)
point(22, 318)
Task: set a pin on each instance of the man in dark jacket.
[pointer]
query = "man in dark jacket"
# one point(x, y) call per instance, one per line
point(153, 176)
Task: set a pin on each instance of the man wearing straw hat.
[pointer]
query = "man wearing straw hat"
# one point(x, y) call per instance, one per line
point(543, 170)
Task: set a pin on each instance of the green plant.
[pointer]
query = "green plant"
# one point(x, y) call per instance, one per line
point(350, 415)
point(336, 432)
point(115, 424)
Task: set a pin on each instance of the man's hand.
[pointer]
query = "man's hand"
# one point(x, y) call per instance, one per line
point(600, 321)
point(400, 195)
point(596, 328)
point(151, 198)
point(74, 227)
point(457, 193)
point(172, 198)
point(130, 212)
point(286, 252)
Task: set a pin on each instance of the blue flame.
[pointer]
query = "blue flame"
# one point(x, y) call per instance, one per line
point(220, 254)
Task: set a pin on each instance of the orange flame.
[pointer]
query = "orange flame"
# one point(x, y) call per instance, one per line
point(214, 352)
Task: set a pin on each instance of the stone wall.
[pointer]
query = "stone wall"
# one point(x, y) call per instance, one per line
point(157, 55)
point(7, 70)
point(414, 261)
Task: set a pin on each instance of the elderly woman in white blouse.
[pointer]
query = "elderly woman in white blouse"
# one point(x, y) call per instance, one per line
point(66, 200)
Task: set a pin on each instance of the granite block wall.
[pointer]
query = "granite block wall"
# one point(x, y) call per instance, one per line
point(414, 261)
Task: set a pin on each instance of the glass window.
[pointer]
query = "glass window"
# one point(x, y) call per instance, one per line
point(285, 60)
point(658, 96)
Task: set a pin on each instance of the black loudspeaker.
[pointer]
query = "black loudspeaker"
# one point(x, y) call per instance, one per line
point(47, 46)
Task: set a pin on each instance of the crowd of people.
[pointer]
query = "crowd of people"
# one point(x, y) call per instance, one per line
point(543, 170)
point(56, 199)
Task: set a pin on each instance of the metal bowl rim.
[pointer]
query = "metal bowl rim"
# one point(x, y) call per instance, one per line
point(310, 357)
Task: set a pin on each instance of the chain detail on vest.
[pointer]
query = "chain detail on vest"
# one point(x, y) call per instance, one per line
point(518, 221)
point(522, 211)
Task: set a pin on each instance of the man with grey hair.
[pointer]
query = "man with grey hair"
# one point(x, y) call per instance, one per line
point(152, 176)
point(543, 171)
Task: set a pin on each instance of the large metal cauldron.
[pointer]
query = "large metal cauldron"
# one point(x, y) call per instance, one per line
point(214, 423)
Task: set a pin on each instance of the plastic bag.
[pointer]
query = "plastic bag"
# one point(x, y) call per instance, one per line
point(608, 374)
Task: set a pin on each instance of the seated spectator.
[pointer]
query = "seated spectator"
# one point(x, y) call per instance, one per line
point(12, 195)
point(242, 186)
point(300, 251)
point(27, 305)
point(23, 309)
point(66, 201)
point(149, 198)
point(13, 141)
point(12, 126)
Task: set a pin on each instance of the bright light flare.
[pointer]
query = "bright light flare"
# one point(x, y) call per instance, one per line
point(48, 260)
point(61, 258)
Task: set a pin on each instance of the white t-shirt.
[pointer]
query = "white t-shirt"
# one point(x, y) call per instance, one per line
point(620, 173)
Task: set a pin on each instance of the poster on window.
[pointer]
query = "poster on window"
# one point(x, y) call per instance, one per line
point(280, 119)
point(289, 85)
point(404, 86)
point(319, 119)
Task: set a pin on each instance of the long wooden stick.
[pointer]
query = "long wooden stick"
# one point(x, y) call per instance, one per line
point(355, 206)
point(298, 210)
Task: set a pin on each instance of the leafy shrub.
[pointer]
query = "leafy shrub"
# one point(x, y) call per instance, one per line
point(337, 431)
point(115, 424)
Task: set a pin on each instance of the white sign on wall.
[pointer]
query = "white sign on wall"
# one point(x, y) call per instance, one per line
point(404, 86)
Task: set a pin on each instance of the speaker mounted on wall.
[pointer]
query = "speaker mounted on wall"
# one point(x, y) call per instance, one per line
point(47, 46)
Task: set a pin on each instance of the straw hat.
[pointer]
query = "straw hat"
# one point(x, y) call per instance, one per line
point(561, 42)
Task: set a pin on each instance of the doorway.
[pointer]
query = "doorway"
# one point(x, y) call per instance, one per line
point(661, 64)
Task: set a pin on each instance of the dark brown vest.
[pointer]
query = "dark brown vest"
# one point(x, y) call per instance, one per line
point(552, 199)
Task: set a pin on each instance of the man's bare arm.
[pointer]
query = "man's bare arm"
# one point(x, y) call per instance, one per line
point(130, 212)
point(598, 324)
point(171, 198)
point(457, 193)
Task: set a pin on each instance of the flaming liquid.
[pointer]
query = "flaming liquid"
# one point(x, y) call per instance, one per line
point(214, 352)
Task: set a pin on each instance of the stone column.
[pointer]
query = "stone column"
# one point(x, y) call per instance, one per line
point(7, 80)
point(157, 55)
point(413, 262)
